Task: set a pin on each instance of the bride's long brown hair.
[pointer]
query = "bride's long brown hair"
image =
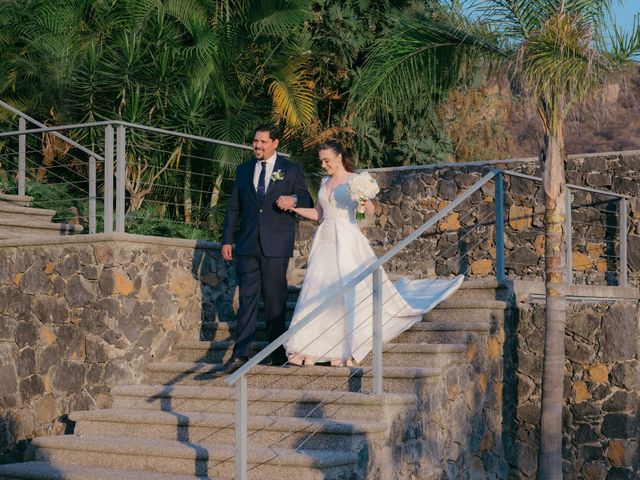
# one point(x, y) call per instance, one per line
point(337, 146)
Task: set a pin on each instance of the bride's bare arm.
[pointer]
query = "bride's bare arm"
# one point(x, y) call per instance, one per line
point(310, 213)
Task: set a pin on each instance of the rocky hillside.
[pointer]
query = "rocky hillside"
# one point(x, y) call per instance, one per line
point(493, 122)
point(613, 125)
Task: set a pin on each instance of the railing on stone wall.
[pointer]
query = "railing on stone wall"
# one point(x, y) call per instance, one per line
point(598, 223)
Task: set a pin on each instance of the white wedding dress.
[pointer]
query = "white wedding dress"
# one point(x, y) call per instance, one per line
point(338, 253)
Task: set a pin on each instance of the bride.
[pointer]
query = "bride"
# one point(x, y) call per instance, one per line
point(342, 333)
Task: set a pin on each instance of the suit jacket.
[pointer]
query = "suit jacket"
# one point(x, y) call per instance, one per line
point(249, 221)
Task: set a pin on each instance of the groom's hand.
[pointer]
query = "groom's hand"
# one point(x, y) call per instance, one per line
point(227, 252)
point(286, 202)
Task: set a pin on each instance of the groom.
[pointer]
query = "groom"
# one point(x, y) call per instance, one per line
point(264, 235)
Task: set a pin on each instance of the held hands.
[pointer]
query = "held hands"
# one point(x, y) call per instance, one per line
point(286, 202)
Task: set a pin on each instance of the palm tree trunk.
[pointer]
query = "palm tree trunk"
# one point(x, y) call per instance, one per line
point(187, 190)
point(215, 198)
point(215, 191)
point(554, 185)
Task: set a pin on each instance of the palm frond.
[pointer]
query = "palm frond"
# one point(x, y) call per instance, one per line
point(419, 56)
point(293, 96)
point(278, 18)
point(516, 18)
point(623, 46)
point(234, 127)
point(562, 63)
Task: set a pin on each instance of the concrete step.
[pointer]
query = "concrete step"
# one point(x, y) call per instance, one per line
point(395, 354)
point(188, 458)
point(481, 288)
point(468, 310)
point(456, 309)
point(12, 212)
point(219, 428)
point(444, 332)
point(37, 228)
point(46, 471)
point(336, 405)
point(421, 354)
point(433, 331)
point(15, 200)
point(414, 380)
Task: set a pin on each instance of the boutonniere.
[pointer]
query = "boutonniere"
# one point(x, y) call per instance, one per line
point(277, 175)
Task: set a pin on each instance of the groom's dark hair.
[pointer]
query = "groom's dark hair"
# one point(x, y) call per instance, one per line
point(274, 132)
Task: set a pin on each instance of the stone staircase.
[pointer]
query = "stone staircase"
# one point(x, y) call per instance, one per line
point(19, 220)
point(304, 422)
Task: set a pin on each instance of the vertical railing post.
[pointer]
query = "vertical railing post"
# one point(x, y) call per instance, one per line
point(499, 201)
point(241, 429)
point(378, 387)
point(22, 156)
point(120, 177)
point(622, 280)
point(568, 230)
point(108, 179)
point(92, 195)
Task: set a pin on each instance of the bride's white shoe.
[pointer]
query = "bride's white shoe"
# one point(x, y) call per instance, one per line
point(297, 360)
point(300, 360)
point(336, 362)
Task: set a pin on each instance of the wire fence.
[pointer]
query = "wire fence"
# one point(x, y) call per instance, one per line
point(177, 186)
point(111, 176)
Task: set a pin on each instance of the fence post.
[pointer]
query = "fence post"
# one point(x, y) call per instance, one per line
point(622, 281)
point(378, 388)
point(120, 177)
point(568, 229)
point(22, 156)
point(92, 194)
point(499, 199)
point(241, 429)
point(108, 179)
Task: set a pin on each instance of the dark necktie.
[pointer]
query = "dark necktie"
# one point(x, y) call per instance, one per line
point(261, 190)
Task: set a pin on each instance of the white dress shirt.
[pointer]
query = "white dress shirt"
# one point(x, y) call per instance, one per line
point(271, 162)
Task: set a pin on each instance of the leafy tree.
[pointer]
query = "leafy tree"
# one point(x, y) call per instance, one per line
point(559, 51)
point(208, 68)
point(344, 33)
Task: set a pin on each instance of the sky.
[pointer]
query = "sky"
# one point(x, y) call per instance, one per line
point(624, 13)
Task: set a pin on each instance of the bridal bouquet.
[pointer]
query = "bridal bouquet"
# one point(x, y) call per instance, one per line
point(361, 188)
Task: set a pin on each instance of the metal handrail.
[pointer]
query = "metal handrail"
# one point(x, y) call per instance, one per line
point(569, 185)
point(391, 253)
point(104, 123)
point(44, 128)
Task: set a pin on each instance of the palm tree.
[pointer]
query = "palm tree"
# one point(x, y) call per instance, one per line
point(559, 51)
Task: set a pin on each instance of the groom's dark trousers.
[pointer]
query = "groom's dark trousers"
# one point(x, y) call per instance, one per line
point(258, 275)
point(264, 238)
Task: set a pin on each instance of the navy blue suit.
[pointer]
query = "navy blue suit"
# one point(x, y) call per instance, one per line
point(264, 237)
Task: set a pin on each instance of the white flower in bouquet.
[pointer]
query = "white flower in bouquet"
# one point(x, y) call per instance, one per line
point(361, 188)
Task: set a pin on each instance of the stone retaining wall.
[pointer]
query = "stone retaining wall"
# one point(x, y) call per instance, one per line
point(87, 313)
point(601, 388)
point(464, 241)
